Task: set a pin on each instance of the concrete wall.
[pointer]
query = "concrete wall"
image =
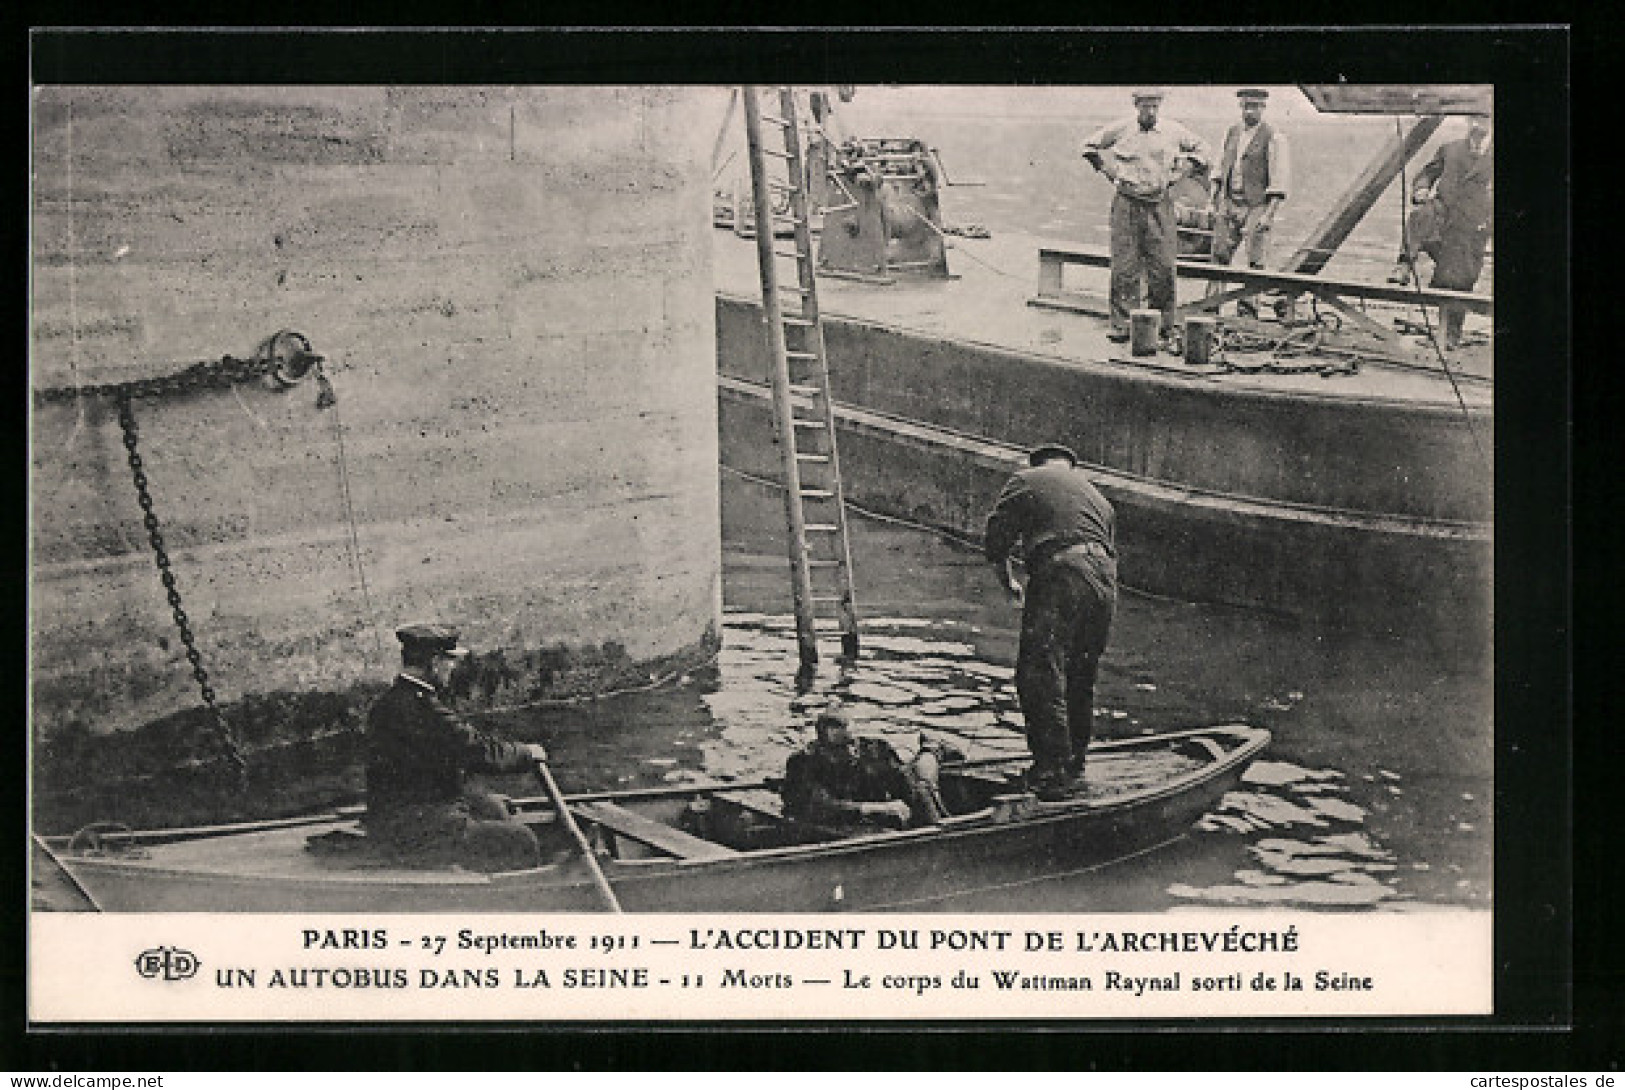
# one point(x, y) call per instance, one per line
point(1379, 457)
point(512, 289)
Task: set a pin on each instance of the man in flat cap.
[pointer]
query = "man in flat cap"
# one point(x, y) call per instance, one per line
point(1251, 184)
point(1142, 157)
point(1455, 195)
point(1067, 534)
point(418, 752)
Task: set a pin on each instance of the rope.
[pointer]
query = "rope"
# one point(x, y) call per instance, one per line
point(586, 698)
point(329, 399)
point(1427, 324)
point(953, 537)
point(1305, 339)
point(944, 236)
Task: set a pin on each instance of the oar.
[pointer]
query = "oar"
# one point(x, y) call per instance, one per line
point(569, 821)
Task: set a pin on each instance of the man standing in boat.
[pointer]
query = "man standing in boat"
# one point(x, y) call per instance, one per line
point(418, 753)
point(1066, 531)
point(1250, 187)
point(838, 780)
point(1455, 197)
point(1142, 158)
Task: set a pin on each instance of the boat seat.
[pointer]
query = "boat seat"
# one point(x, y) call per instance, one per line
point(665, 838)
point(755, 800)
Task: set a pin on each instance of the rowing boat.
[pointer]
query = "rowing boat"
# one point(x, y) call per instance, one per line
point(692, 848)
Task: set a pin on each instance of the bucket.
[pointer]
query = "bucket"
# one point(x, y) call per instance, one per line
point(1200, 334)
point(1143, 328)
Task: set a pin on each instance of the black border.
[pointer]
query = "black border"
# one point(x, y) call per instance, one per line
point(1534, 962)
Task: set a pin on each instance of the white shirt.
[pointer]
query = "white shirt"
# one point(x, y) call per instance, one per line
point(1145, 157)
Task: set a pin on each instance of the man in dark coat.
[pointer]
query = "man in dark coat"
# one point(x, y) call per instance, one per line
point(1067, 533)
point(418, 752)
point(1455, 216)
point(838, 780)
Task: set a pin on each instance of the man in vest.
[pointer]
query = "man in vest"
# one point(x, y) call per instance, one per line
point(1455, 195)
point(1249, 187)
point(1067, 533)
point(418, 752)
point(1142, 157)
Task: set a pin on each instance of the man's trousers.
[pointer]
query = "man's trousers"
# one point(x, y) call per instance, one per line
point(1145, 242)
point(1070, 601)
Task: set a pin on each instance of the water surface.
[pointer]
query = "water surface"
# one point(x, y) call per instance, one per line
point(1375, 793)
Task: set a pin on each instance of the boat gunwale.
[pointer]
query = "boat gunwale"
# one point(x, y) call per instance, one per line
point(1250, 740)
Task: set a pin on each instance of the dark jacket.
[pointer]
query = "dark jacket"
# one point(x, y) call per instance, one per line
point(821, 776)
point(418, 750)
point(1047, 508)
point(1463, 184)
point(1255, 161)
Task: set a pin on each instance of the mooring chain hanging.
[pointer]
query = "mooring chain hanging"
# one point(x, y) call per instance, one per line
point(286, 357)
point(132, 436)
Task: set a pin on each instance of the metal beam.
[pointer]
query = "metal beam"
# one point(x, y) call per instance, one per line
point(1352, 207)
point(1050, 258)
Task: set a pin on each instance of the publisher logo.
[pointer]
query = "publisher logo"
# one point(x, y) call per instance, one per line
point(166, 963)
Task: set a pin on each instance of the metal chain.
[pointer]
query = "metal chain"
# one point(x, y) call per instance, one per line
point(210, 374)
point(126, 418)
point(1306, 340)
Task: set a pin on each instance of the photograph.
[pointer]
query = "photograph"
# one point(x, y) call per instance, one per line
point(676, 550)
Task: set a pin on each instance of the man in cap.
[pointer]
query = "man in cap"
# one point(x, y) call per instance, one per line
point(418, 752)
point(1251, 184)
point(1455, 194)
point(1142, 157)
point(839, 780)
point(1067, 534)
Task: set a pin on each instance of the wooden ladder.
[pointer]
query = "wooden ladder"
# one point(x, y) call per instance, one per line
point(803, 412)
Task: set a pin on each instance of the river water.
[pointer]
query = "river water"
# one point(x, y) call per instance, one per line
point(1375, 792)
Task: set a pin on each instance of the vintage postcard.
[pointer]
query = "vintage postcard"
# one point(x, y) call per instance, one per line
point(542, 551)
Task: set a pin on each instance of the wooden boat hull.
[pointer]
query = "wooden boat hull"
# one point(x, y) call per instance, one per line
point(265, 869)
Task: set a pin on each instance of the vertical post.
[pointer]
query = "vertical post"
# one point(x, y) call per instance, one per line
point(1351, 208)
point(783, 411)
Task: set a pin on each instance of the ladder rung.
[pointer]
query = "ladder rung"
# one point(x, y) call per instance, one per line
point(823, 563)
point(821, 527)
point(795, 255)
point(777, 154)
point(804, 323)
point(812, 457)
point(828, 597)
point(805, 390)
point(772, 119)
point(817, 494)
point(800, 355)
point(808, 423)
point(782, 187)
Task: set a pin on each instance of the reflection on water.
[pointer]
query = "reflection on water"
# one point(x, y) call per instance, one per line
point(1328, 859)
point(1290, 835)
point(1295, 836)
point(1375, 791)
